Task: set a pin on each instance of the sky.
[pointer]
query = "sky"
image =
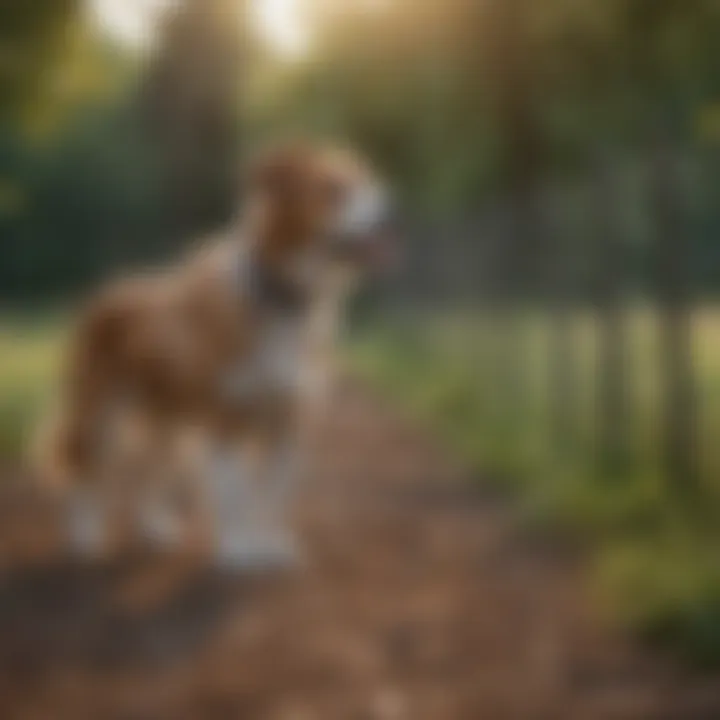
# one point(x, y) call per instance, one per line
point(279, 22)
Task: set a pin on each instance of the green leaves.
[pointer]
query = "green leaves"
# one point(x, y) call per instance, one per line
point(33, 37)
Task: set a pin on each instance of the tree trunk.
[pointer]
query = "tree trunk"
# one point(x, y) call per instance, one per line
point(190, 104)
point(611, 400)
point(562, 375)
point(521, 156)
point(560, 289)
point(679, 420)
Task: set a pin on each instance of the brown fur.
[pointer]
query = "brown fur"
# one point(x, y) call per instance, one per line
point(163, 341)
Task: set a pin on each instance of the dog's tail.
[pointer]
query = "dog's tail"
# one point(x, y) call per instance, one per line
point(67, 440)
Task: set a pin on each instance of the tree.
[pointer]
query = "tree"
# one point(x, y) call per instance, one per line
point(33, 37)
point(613, 427)
point(671, 56)
point(521, 163)
point(191, 102)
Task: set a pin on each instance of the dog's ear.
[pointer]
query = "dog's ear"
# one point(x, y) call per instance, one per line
point(278, 192)
point(277, 173)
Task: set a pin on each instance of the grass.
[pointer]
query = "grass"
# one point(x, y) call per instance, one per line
point(657, 559)
point(29, 359)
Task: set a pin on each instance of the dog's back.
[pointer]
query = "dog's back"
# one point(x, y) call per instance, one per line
point(158, 340)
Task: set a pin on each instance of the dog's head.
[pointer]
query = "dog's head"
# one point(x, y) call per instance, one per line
point(317, 209)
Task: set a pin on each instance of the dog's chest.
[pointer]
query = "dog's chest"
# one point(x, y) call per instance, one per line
point(274, 363)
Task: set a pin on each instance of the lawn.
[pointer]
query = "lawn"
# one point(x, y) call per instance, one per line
point(30, 349)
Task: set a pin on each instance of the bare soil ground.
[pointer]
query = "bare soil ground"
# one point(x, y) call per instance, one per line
point(421, 599)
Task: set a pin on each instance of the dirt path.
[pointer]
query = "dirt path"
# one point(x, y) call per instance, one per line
point(421, 600)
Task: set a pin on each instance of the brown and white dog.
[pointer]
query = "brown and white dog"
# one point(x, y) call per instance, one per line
point(207, 377)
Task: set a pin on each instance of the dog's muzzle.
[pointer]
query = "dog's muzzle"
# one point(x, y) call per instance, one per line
point(374, 251)
point(364, 235)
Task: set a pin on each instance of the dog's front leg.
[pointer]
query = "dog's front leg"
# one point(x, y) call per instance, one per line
point(281, 473)
point(230, 484)
point(251, 493)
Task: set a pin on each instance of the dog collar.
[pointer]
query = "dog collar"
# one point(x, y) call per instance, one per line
point(267, 290)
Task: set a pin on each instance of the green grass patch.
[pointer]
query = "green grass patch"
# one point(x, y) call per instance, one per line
point(29, 358)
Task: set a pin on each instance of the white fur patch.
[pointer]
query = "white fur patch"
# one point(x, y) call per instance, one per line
point(87, 521)
point(247, 533)
point(276, 365)
point(364, 210)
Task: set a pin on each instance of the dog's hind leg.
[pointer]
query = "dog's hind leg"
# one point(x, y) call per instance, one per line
point(106, 514)
point(102, 516)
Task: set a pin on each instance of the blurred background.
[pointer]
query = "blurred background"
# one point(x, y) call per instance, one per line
point(557, 166)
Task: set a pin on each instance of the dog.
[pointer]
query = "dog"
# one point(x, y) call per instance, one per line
point(204, 381)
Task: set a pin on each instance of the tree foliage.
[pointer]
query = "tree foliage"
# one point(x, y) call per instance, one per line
point(424, 88)
point(34, 36)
